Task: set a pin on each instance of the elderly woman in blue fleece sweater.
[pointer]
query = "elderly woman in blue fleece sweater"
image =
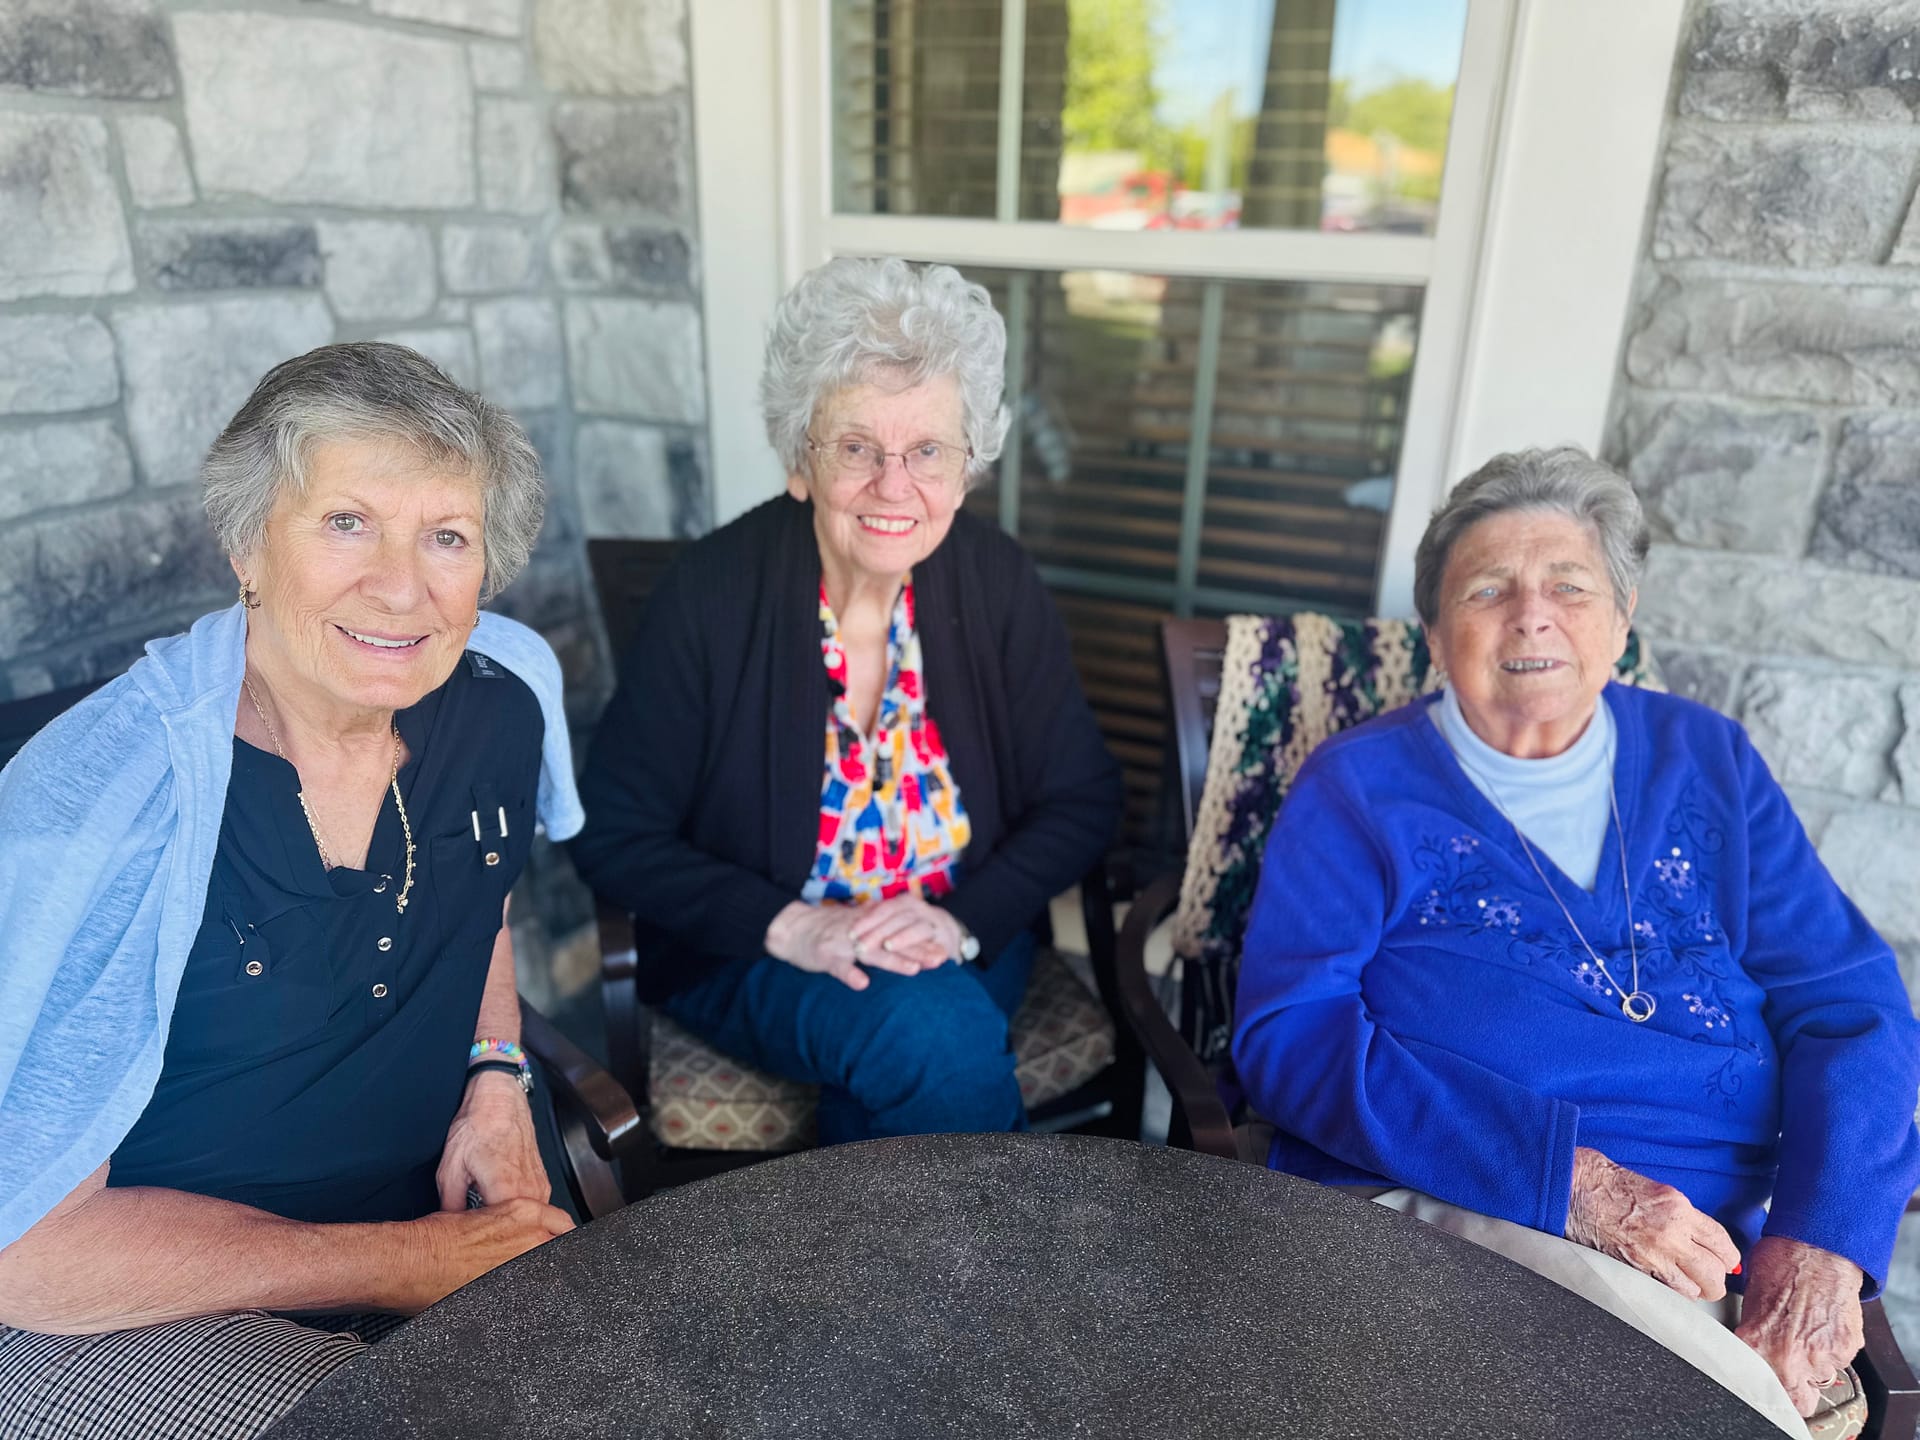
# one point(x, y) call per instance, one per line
point(1551, 957)
point(257, 1008)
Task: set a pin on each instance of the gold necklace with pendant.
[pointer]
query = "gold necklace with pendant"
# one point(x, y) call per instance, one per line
point(393, 783)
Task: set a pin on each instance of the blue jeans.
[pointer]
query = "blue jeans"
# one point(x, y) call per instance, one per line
point(909, 1055)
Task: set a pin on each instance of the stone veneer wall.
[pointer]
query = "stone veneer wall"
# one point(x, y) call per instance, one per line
point(193, 190)
point(1769, 415)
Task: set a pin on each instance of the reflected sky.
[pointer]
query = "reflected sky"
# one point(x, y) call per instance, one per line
point(1212, 44)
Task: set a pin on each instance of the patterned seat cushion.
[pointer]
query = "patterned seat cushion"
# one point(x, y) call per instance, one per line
point(1286, 683)
point(703, 1100)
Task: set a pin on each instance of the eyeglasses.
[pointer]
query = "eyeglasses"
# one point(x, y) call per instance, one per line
point(928, 463)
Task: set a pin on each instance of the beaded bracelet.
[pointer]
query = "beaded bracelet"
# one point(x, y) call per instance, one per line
point(510, 1055)
point(505, 1049)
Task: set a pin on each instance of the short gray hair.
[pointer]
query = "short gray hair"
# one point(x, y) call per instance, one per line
point(852, 321)
point(1566, 480)
point(370, 390)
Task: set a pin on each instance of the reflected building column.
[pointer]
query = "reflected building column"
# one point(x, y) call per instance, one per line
point(1289, 163)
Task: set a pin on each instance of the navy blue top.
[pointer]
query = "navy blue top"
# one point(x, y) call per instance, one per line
point(318, 1049)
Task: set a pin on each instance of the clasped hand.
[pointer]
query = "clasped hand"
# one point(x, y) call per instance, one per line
point(491, 1147)
point(905, 935)
point(1802, 1307)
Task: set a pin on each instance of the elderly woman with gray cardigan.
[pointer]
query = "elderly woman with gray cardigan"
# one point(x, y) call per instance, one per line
point(848, 762)
point(258, 1024)
point(1550, 961)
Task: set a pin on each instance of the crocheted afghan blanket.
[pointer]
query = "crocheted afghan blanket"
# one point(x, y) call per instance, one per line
point(1286, 683)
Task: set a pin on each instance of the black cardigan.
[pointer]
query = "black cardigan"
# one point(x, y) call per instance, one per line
point(702, 785)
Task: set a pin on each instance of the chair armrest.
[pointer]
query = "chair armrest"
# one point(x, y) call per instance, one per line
point(613, 1121)
point(619, 996)
point(1893, 1394)
point(1198, 1111)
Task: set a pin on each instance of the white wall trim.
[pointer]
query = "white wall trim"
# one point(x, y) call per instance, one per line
point(1578, 147)
point(737, 67)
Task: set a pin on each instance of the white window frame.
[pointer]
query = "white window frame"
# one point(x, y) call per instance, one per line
point(1558, 119)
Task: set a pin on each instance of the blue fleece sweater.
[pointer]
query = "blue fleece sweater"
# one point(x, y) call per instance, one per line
point(1414, 1008)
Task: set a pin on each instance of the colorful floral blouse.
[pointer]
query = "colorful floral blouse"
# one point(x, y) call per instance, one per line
point(890, 814)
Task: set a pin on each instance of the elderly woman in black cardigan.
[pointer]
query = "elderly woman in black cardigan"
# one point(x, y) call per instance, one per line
point(848, 762)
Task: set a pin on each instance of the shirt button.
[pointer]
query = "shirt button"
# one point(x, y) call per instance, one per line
point(254, 967)
point(493, 857)
point(380, 992)
point(386, 942)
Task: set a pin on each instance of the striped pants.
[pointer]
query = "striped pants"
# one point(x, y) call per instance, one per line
point(214, 1377)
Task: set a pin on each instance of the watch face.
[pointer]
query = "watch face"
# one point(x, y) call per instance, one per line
point(969, 947)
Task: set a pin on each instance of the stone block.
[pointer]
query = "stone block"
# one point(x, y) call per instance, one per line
point(55, 362)
point(488, 17)
point(1870, 515)
point(1772, 605)
point(549, 432)
point(69, 463)
point(637, 358)
point(63, 233)
point(495, 65)
point(624, 155)
point(1839, 344)
point(1780, 199)
point(516, 157)
point(1822, 730)
point(156, 161)
point(1712, 680)
point(611, 47)
point(103, 656)
point(1906, 247)
point(692, 505)
point(487, 259)
point(378, 269)
point(1748, 61)
point(1874, 853)
point(359, 116)
point(448, 346)
point(1722, 476)
point(103, 49)
point(1906, 755)
point(188, 368)
point(231, 254)
point(520, 356)
point(551, 591)
point(623, 257)
point(67, 578)
point(625, 489)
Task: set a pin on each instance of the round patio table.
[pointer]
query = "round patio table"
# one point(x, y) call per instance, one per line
point(1000, 1286)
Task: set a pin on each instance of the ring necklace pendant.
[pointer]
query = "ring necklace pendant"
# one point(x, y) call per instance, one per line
point(1636, 1004)
point(393, 784)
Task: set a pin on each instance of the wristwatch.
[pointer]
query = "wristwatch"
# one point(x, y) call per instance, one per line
point(522, 1074)
point(969, 942)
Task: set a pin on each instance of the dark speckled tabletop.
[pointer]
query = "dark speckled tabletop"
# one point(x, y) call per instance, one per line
point(1001, 1286)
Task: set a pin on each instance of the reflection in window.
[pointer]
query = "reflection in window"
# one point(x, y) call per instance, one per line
point(1152, 114)
point(1194, 446)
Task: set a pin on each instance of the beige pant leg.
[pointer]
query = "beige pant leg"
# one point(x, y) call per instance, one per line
point(1698, 1331)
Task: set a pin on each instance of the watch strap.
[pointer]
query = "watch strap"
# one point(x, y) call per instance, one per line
point(522, 1074)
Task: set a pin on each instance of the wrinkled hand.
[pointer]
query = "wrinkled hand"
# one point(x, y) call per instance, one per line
point(907, 928)
point(457, 1247)
point(1650, 1226)
point(820, 938)
point(491, 1146)
point(1802, 1314)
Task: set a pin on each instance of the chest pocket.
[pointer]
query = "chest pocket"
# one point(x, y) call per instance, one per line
point(251, 990)
point(474, 867)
